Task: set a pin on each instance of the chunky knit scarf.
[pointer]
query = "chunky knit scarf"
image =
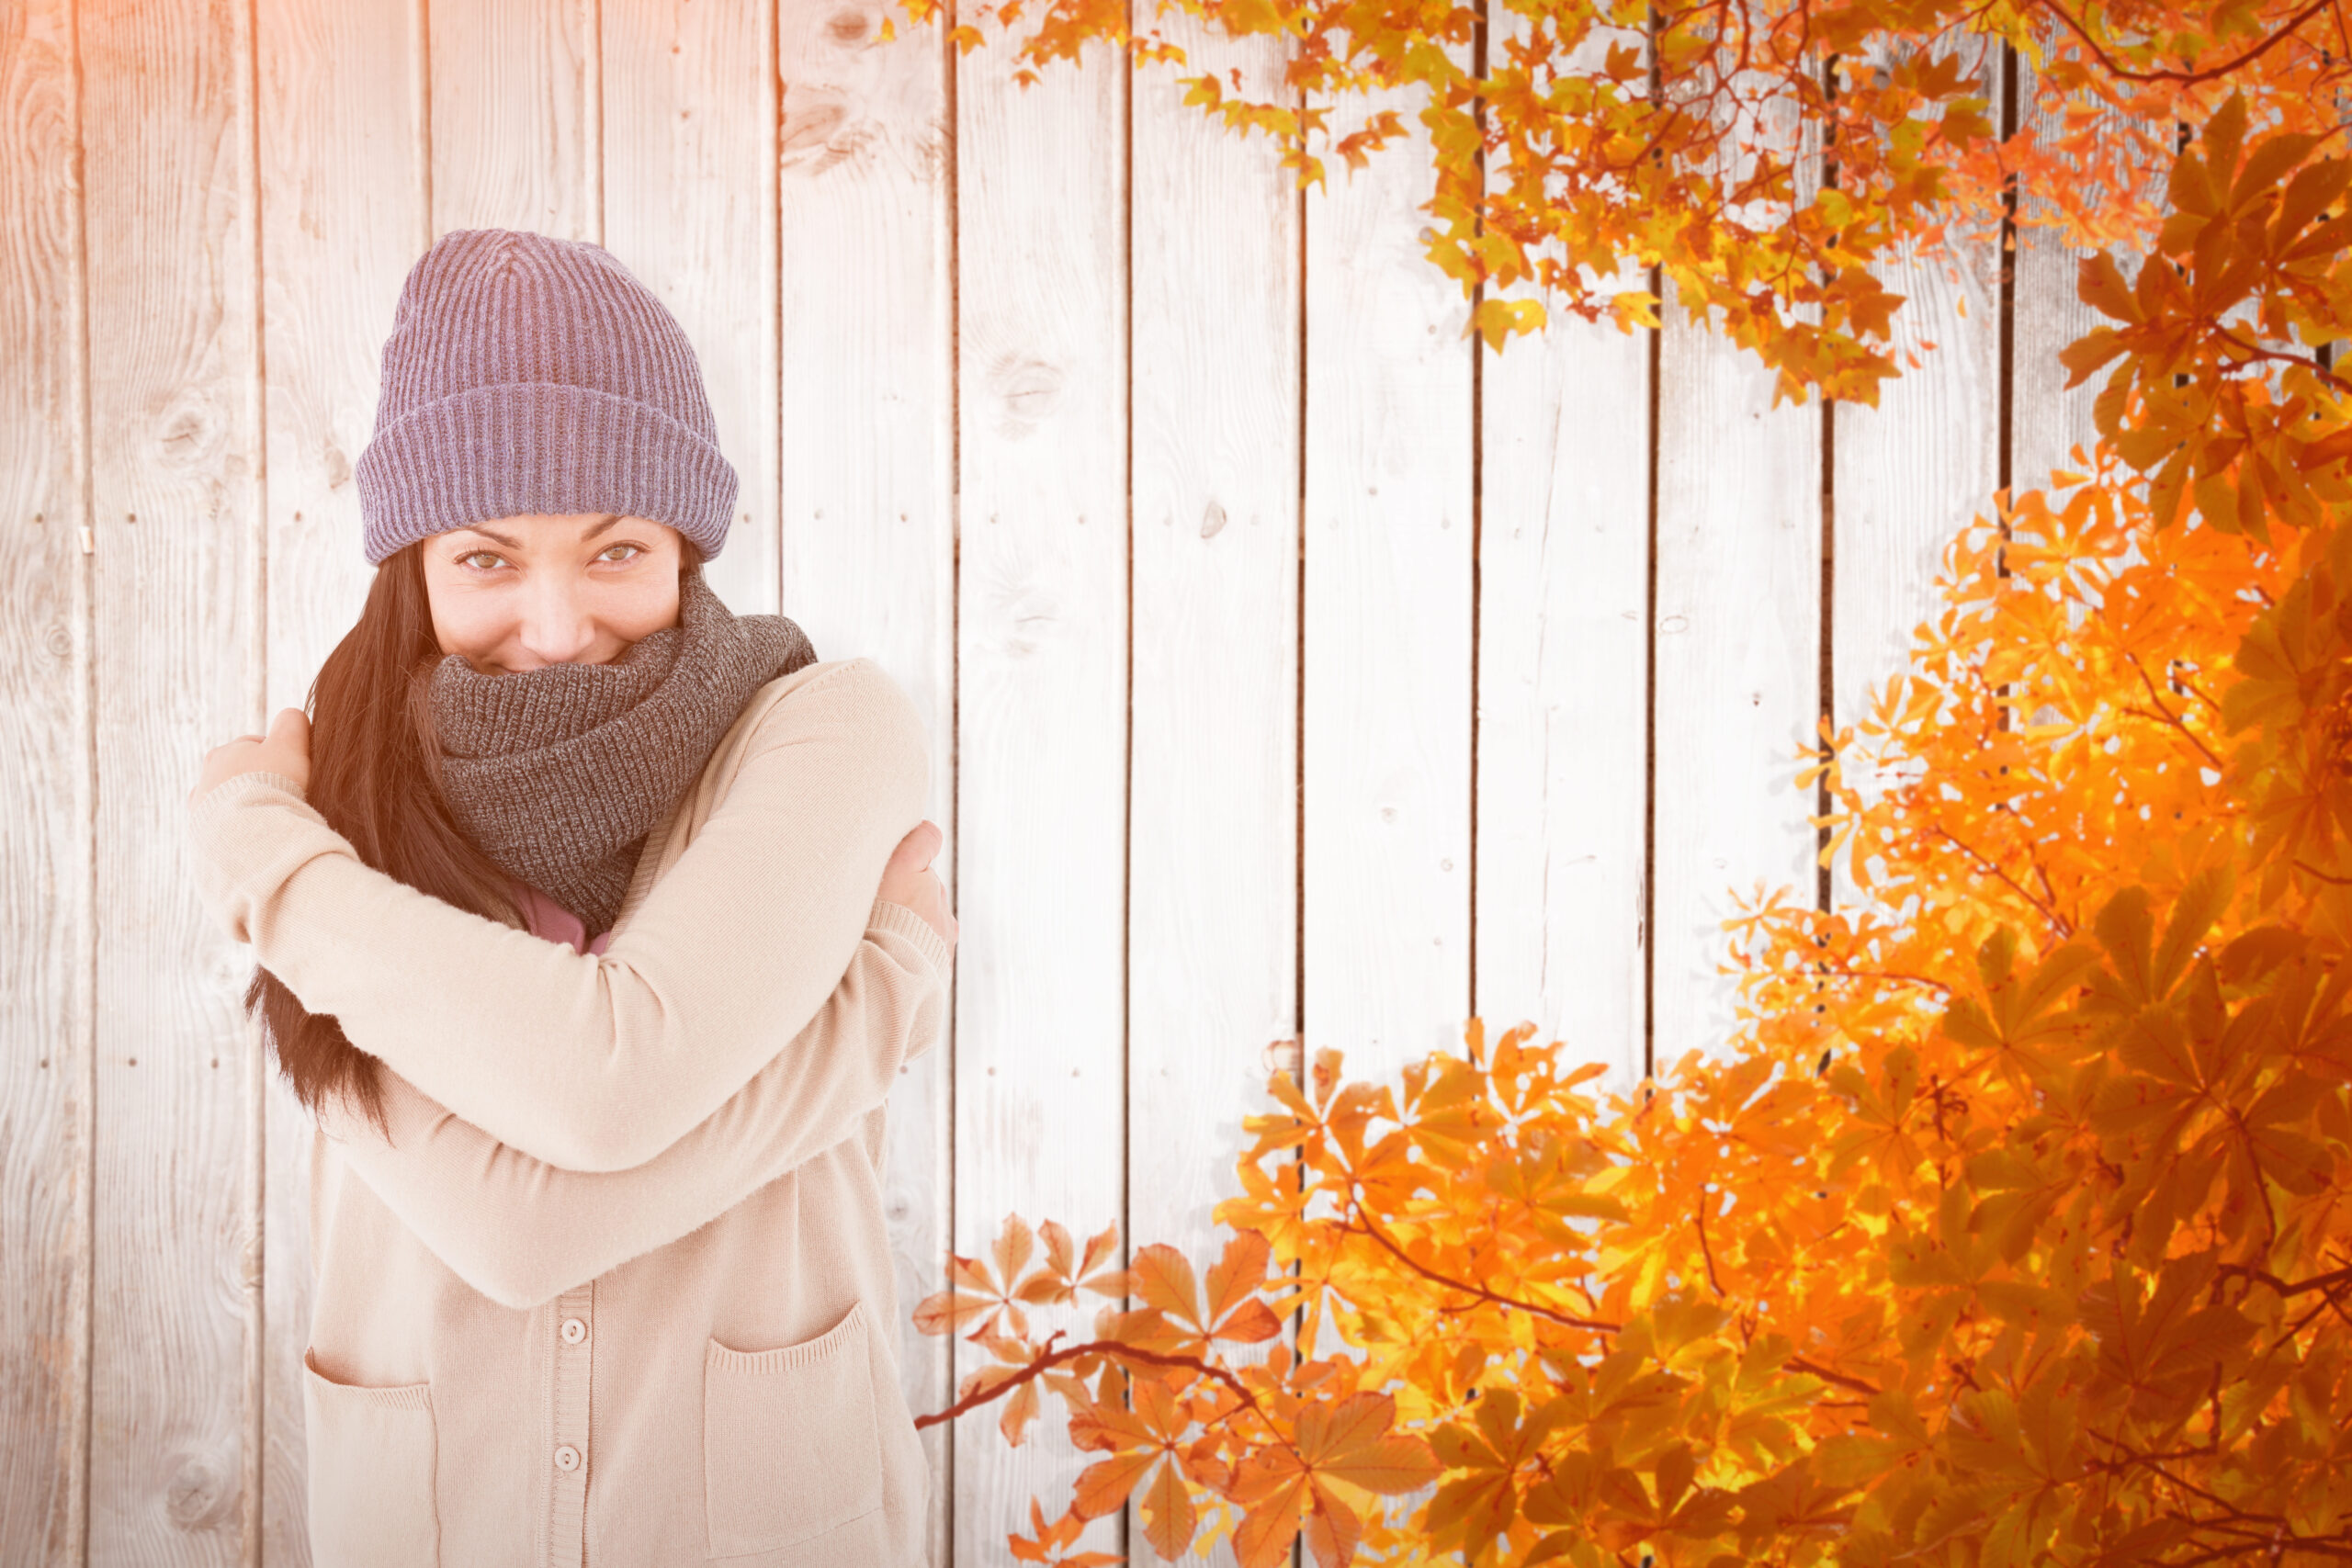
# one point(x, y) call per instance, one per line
point(559, 773)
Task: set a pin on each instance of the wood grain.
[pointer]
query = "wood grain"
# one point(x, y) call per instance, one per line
point(167, 140)
point(1042, 701)
point(514, 121)
point(1564, 649)
point(2047, 421)
point(689, 203)
point(1213, 900)
point(1563, 709)
point(345, 216)
point(1388, 550)
point(1738, 654)
point(45, 907)
point(867, 483)
point(1389, 547)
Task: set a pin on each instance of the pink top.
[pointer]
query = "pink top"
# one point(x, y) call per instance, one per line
point(552, 921)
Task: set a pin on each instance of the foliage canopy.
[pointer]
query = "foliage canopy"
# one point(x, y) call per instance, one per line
point(1766, 157)
point(2015, 1224)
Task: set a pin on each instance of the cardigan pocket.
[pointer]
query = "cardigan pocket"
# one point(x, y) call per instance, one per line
point(372, 1452)
point(791, 1442)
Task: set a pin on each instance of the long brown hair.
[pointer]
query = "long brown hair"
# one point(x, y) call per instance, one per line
point(375, 772)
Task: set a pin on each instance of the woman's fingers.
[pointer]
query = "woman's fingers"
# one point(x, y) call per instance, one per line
point(285, 750)
point(917, 849)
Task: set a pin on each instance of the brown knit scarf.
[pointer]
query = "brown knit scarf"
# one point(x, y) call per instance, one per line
point(559, 773)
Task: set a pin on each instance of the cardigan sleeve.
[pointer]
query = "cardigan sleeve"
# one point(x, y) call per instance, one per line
point(521, 1231)
point(588, 1062)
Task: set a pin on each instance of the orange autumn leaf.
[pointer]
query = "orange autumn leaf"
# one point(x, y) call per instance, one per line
point(1103, 1485)
point(1350, 1442)
point(1236, 1276)
point(1049, 1543)
point(1170, 1516)
point(1163, 1278)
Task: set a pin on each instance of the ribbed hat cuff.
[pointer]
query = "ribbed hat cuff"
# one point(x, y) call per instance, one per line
point(517, 449)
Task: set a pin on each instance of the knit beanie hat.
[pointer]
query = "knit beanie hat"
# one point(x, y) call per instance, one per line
point(528, 374)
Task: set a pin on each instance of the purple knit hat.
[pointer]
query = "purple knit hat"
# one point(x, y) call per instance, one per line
point(528, 374)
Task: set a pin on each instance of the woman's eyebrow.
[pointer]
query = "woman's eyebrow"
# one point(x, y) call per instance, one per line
point(610, 519)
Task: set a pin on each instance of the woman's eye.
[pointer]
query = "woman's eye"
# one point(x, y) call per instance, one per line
point(607, 552)
point(469, 559)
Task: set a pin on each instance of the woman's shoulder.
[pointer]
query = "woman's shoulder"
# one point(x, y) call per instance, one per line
point(827, 686)
point(853, 702)
point(835, 731)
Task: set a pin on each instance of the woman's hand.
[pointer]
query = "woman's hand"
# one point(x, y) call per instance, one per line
point(909, 880)
point(286, 750)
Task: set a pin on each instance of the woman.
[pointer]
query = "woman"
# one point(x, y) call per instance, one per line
point(600, 1267)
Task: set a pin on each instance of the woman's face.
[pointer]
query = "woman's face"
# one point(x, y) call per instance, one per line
point(550, 589)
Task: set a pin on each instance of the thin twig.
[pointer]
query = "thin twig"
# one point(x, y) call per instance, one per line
point(1113, 1348)
point(2186, 78)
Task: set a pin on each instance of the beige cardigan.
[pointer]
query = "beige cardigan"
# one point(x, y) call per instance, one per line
point(620, 1290)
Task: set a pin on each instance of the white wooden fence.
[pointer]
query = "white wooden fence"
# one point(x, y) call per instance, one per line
point(1295, 666)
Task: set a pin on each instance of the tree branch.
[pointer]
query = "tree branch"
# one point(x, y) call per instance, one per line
point(2109, 64)
point(1111, 1347)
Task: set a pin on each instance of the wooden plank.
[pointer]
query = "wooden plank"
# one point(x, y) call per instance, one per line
point(689, 183)
point(175, 430)
point(1562, 679)
point(513, 122)
point(2046, 420)
point(868, 499)
point(1213, 900)
point(45, 776)
point(1737, 658)
point(345, 215)
point(1909, 475)
point(1042, 700)
point(1388, 547)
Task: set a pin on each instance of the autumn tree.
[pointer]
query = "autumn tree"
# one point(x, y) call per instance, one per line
point(2015, 1222)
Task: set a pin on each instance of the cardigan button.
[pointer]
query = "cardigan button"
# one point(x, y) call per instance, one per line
point(574, 1330)
point(567, 1457)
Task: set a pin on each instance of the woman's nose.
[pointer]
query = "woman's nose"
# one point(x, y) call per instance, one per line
point(556, 625)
